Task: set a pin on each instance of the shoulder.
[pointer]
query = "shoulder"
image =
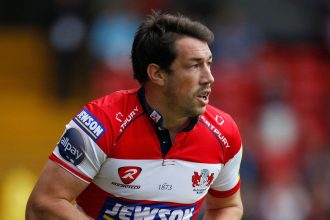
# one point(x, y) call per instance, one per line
point(223, 125)
point(105, 114)
point(107, 106)
point(114, 100)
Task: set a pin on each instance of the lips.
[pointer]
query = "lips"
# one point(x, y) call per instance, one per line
point(204, 96)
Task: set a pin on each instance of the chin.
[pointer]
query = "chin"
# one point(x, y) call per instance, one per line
point(198, 111)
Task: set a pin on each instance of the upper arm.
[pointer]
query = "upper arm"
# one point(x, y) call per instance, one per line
point(234, 200)
point(53, 194)
point(57, 183)
point(224, 208)
point(73, 164)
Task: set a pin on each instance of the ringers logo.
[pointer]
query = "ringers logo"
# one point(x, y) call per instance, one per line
point(129, 174)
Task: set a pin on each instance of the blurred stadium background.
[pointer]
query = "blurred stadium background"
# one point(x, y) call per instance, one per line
point(272, 70)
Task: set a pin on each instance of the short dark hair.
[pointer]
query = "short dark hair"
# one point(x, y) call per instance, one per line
point(154, 41)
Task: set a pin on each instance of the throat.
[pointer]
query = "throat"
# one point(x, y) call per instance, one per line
point(172, 135)
point(176, 125)
point(166, 138)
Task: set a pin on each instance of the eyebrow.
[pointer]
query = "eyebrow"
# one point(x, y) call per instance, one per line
point(197, 59)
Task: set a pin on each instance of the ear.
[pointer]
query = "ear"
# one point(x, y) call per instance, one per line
point(156, 74)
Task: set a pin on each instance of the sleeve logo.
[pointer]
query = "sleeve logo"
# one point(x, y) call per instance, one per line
point(89, 124)
point(71, 146)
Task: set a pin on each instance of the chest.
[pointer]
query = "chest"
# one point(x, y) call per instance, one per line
point(137, 168)
point(142, 141)
point(168, 180)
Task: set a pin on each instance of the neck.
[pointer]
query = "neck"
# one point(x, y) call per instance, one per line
point(171, 119)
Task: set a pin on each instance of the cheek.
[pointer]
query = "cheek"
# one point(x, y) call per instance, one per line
point(182, 86)
point(187, 86)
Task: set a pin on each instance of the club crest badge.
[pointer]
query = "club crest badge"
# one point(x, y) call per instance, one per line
point(202, 180)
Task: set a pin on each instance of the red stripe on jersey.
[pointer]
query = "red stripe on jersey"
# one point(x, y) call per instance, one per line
point(224, 194)
point(54, 158)
point(92, 199)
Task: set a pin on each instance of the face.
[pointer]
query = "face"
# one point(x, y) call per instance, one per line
point(188, 85)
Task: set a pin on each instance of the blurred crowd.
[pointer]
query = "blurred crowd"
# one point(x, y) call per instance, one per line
point(272, 71)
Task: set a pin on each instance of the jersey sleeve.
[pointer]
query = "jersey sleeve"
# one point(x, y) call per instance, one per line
point(228, 181)
point(82, 150)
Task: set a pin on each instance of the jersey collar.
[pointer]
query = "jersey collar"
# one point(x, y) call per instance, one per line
point(156, 117)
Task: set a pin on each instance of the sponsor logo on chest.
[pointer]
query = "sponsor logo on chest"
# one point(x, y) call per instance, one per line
point(128, 211)
point(127, 175)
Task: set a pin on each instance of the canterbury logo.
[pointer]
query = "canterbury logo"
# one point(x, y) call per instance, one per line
point(129, 174)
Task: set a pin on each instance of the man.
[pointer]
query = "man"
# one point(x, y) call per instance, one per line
point(155, 152)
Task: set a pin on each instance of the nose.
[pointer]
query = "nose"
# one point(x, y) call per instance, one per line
point(206, 75)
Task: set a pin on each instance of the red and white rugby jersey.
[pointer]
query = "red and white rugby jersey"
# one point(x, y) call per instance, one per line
point(117, 144)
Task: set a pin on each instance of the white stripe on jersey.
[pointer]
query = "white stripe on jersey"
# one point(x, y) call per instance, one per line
point(229, 175)
point(156, 182)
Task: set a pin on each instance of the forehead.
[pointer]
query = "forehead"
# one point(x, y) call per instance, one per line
point(192, 48)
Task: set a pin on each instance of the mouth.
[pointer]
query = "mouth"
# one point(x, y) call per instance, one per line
point(203, 96)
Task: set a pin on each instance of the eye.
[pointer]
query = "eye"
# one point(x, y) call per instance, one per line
point(195, 66)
